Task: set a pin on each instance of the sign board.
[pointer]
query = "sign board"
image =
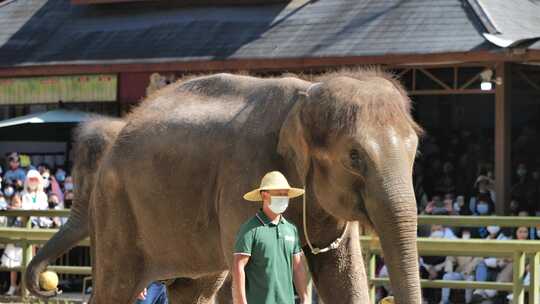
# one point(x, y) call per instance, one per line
point(51, 89)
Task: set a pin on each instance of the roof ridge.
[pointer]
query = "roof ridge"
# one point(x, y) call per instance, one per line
point(483, 16)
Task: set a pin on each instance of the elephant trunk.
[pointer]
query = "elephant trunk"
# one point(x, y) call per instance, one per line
point(394, 216)
point(69, 235)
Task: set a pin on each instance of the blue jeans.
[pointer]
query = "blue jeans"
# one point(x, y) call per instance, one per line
point(445, 296)
point(484, 273)
point(156, 293)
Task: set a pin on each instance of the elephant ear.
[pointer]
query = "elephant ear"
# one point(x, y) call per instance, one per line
point(293, 143)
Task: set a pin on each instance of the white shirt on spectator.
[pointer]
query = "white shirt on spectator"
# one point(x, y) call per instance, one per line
point(41, 203)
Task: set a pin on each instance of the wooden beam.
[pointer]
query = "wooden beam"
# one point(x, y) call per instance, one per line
point(277, 64)
point(435, 79)
point(450, 92)
point(524, 76)
point(503, 124)
point(78, 2)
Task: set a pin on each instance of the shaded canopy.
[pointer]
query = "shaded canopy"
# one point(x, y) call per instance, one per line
point(55, 125)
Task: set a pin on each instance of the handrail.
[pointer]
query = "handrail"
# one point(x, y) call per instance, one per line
point(517, 250)
point(47, 213)
point(478, 221)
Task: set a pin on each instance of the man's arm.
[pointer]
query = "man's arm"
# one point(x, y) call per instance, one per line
point(239, 278)
point(300, 279)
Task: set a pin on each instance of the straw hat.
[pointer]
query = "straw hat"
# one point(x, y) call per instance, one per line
point(274, 180)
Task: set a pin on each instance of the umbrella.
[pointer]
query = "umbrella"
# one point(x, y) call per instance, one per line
point(55, 125)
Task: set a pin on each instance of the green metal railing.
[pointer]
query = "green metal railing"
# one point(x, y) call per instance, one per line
point(29, 237)
point(518, 251)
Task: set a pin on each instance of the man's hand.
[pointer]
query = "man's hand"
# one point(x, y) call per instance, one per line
point(142, 295)
point(239, 278)
point(300, 279)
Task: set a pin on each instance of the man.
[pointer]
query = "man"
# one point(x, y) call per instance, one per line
point(267, 253)
point(15, 174)
point(155, 293)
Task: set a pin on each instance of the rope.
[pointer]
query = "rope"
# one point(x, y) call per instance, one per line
point(315, 250)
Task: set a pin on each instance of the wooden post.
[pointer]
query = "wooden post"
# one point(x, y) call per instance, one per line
point(518, 269)
point(534, 279)
point(503, 125)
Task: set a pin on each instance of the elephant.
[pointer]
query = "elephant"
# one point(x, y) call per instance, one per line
point(166, 200)
point(93, 139)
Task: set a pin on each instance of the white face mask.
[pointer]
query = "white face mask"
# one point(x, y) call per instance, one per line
point(493, 229)
point(278, 204)
point(438, 234)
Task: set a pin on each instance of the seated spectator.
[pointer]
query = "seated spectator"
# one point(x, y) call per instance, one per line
point(8, 192)
point(492, 269)
point(522, 234)
point(485, 193)
point(68, 183)
point(386, 289)
point(438, 207)
point(34, 198)
point(68, 199)
point(432, 267)
point(3, 206)
point(54, 204)
point(535, 233)
point(515, 207)
point(458, 207)
point(15, 175)
point(60, 175)
point(12, 255)
point(3, 201)
point(42, 168)
point(482, 205)
point(524, 189)
point(459, 269)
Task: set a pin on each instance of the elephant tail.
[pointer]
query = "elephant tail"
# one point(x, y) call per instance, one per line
point(92, 140)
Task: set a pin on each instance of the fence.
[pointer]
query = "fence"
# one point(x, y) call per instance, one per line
point(28, 237)
point(517, 250)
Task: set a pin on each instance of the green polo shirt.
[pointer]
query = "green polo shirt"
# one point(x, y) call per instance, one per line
point(269, 271)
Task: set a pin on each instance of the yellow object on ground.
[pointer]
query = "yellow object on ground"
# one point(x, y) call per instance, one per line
point(387, 300)
point(48, 280)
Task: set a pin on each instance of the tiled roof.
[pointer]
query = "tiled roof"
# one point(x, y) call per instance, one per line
point(37, 32)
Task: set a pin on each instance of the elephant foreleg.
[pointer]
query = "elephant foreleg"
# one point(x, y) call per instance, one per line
point(196, 291)
point(339, 274)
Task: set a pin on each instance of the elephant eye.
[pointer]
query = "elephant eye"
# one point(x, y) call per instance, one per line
point(355, 158)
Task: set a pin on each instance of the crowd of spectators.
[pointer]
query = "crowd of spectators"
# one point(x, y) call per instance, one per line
point(29, 187)
point(456, 177)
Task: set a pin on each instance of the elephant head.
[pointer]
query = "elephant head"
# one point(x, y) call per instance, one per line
point(353, 142)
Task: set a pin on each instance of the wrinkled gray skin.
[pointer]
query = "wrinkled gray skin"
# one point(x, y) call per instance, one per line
point(167, 196)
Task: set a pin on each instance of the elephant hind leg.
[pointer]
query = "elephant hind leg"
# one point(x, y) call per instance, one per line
point(196, 291)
